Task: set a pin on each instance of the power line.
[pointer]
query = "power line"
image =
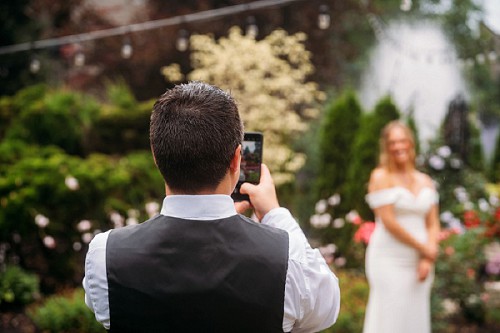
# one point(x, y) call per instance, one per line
point(144, 26)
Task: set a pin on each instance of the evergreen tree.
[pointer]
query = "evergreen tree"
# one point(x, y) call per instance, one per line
point(410, 122)
point(365, 153)
point(338, 130)
point(495, 163)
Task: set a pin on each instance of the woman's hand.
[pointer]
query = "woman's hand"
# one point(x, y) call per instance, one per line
point(429, 251)
point(423, 269)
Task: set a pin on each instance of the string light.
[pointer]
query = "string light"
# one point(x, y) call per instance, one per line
point(252, 29)
point(79, 59)
point(324, 17)
point(35, 65)
point(203, 16)
point(127, 49)
point(182, 42)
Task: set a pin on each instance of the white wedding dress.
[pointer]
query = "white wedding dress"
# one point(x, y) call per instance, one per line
point(398, 302)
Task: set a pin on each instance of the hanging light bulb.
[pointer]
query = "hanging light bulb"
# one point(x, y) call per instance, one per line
point(182, 43)
point(127, 49)
point(79, 60)
point(35, 65)
point(324, 17)
point(405, 5)
point(252, 29)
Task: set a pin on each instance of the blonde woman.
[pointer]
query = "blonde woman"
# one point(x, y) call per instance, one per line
point(401, 253)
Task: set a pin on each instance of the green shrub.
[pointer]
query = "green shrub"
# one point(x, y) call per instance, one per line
point(64, 314)
point(17, 287)
point(354, 296)
point(338, 130)
point(365, 152)
point(61, 118)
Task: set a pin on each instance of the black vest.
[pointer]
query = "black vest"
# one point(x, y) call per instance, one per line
point(175, 275)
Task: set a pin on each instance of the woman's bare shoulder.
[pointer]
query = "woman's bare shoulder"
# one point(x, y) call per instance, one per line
point(379, 179)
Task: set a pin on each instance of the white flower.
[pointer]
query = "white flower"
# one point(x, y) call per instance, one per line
point(456, 225)
point(473, 299)
point(133, 213)
point(446, 216)
point(320, 220)
point(455, 163)
point(49, 242)
point(338, 223)
point(331, 248)
point(483, 205)
point(321, 206)
point(152, 208)
point(493, 200)
point(436, 162)
point(334, 200)
point(468, 205)
point(444, 151)
point(449, 306)
point(340, 262)
point(41, 220)
point(87, 237)
point(77, 246)
point(325, 219)
point(84, 225)
point(117, 219)
point(352, 216)
point(461, 194)
point(71, 183)
point(131, 221)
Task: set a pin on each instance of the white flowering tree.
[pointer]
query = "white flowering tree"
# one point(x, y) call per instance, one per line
point(268, 79)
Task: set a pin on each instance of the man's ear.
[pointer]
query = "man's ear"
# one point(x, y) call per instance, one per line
point(236, 160)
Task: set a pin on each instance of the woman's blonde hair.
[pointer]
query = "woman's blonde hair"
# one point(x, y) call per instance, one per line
point(385, 160)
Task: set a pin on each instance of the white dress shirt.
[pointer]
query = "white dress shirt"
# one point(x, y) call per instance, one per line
point(312, 294)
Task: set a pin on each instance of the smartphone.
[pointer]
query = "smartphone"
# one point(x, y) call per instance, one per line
point(251, 159)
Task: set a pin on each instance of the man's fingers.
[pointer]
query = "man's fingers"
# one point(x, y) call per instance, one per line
point(242, 206)
point(265, 174)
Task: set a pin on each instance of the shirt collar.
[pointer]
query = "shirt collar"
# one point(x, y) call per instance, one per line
point(198, 207)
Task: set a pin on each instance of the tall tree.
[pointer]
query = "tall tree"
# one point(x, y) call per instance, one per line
point(337, 133)
point(366, 151)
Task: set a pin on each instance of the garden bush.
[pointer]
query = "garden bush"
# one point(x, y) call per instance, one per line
point(55, 191)
point(17, 287)
point(65, 313)
point(354, 296)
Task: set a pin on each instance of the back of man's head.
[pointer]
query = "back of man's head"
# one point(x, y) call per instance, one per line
point(195, 129)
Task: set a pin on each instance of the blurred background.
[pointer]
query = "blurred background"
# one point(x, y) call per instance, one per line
point(319, 78)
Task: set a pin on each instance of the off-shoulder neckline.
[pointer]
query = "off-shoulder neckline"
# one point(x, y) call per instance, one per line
point(392, 188)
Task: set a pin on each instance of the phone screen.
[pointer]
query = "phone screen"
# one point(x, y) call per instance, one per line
point(251, 159)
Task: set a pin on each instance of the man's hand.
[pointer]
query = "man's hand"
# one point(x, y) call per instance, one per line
point(262, 196)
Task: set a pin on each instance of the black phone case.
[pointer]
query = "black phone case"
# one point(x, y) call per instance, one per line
point(249, 136)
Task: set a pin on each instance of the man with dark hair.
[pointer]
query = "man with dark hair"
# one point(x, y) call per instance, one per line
point(199, 266)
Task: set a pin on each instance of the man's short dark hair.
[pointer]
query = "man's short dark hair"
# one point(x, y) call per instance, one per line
point(194, 131)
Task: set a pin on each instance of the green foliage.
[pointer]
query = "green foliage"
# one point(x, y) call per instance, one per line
point(354, 296)
point(67, 314)
point(410, 122)
point(366, 151)
point(17, 287)
point(494, 172)
point(338, 130)
point(457, 275)
point(48, 173)
point(44, 117)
